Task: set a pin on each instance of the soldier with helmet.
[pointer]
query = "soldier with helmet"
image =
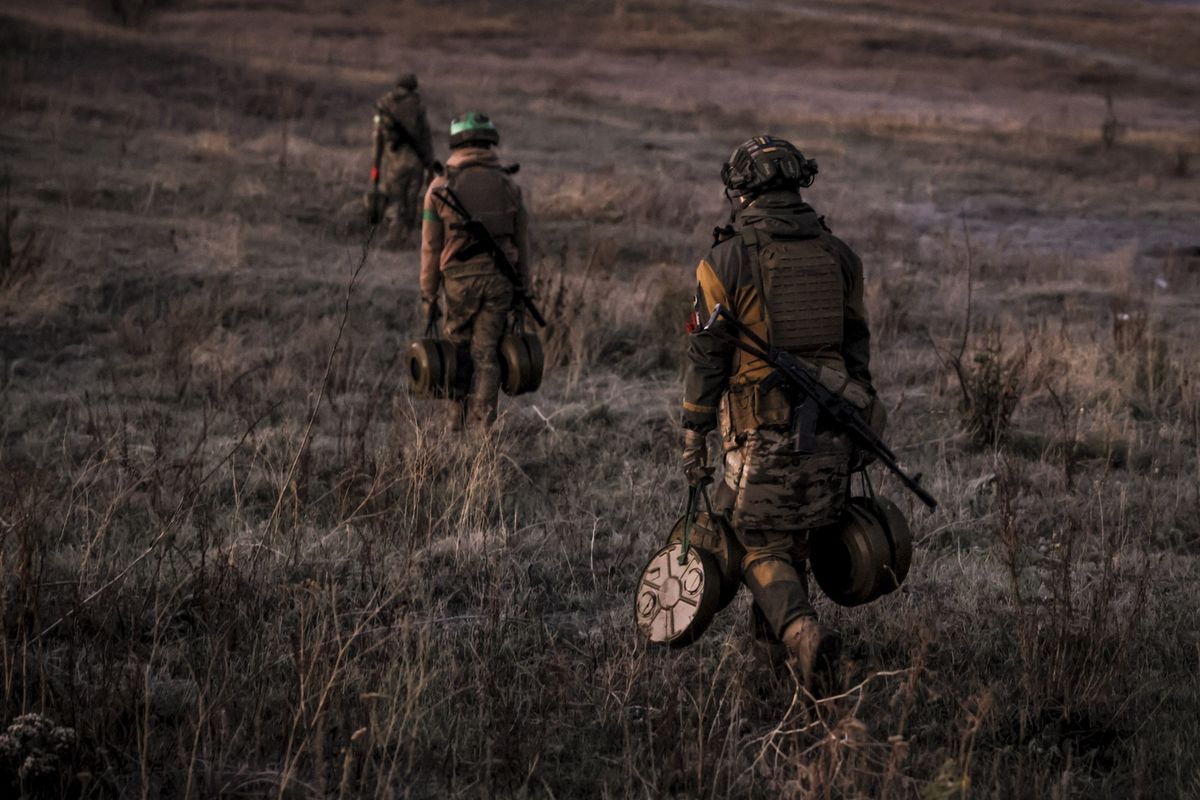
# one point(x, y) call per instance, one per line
point(477, 296)
point(781, 271)
point(402, 135)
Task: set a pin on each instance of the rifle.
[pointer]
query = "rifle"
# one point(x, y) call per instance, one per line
point(795, 374)
point(376, 200)
point(483, 241)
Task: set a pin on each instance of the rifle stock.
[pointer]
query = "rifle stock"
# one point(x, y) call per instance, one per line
point(795, 374)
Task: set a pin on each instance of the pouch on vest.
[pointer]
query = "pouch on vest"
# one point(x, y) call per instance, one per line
point(485, 192)
point(740, 398)
point(805, 296)
point(771, 408)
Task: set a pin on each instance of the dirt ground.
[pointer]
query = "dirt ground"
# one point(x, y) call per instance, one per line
point(240, 559)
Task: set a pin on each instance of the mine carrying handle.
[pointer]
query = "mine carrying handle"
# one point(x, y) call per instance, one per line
point(695, 492)
point(801, 379)
point(486, 243)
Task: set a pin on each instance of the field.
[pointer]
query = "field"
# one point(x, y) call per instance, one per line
point(240, 560)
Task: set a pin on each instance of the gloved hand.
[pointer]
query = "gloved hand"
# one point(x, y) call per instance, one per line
point(695, 458)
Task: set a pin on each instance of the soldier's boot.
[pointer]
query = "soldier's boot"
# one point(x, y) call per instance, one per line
point(397, 238)
point(397, 233)
point(768, 650)
point(481, 408)
point(813, 652)
point(485, 393)
point(456, 412)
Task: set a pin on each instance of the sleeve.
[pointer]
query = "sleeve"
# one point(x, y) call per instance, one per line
point(432, 239)
point(385, 113)
point(521, 238)
point(423, 139)
point(709, 360)
point(856, 334)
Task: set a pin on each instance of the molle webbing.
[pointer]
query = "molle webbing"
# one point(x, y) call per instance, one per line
point(484, 190)
point(804, 295)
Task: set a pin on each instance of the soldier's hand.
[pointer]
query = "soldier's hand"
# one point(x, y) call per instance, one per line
point(431, 311)
point(695, 458)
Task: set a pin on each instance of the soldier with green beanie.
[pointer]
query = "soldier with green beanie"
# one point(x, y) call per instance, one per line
point(403, 138)
point(780, 270)
point(477, 297)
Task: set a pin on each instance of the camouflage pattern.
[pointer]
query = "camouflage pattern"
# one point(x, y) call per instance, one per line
point(777, 581)
point(778, 494)
point(401, 179)
point(778, 489)
point(477, 297)
point(501, 207)
point(408, 153)
point(476, 314)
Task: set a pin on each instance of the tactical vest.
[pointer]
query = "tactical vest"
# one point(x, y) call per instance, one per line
point(484, 190)
point(803, 294)
point(486, 193)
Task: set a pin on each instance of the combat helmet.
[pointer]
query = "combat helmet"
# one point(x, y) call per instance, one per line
point(765, 163)
point(473, 128)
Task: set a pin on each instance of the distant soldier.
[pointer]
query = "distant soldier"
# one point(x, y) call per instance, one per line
point(478, 298)
point(402, 136)
point(783, 274)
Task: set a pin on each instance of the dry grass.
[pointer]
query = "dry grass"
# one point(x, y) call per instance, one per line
point(239, 560)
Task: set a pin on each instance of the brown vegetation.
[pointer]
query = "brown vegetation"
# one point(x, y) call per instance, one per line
point(239, 560)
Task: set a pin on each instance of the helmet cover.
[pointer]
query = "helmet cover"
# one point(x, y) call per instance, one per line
point(473, 127)
point(764, 163)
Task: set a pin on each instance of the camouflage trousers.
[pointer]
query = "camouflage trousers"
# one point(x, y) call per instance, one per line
point(477, 309)
point(401, 179)
point(780, 495)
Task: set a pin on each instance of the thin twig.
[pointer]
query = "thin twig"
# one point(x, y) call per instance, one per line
point(312, 417)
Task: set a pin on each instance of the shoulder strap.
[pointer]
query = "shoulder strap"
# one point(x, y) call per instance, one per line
point(753, 239)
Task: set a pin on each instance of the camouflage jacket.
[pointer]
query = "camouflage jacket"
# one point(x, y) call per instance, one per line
point(403, 123)
point(727, 276)
point(500, 206)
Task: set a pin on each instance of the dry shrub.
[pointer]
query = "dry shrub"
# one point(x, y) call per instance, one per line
point(1129, 326)
point(599, 313)
point(1181, 268)
point(1145, 373)
point(992, 379)
point(19, 260)
point(1080, 592)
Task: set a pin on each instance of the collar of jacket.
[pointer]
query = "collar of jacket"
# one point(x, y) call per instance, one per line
point(781, 214)
point(464, 157)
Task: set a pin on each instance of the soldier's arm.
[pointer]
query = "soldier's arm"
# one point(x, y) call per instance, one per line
point(706, 373)
point(432, 239)
point(521, 239)
point(856, 334)
point(423, 139)
point(386, 116)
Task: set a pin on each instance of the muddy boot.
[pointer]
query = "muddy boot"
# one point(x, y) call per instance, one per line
point(813, 653)
point(769, 652)
point(456, 413)
point(485, 392)
point(397, 238)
